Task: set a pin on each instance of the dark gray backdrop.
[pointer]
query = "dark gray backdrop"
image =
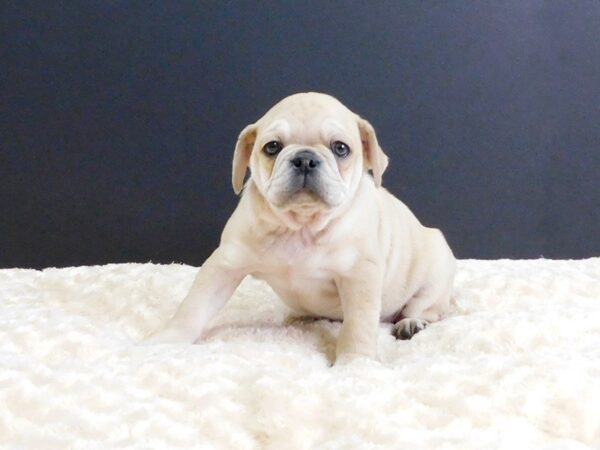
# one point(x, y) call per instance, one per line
point(118, 118)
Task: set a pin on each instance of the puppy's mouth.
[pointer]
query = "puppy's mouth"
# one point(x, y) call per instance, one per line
point(302, 183)
point(305, 199)
point(297, 196)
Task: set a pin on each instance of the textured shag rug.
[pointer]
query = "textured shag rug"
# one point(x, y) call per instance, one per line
point(516, 365)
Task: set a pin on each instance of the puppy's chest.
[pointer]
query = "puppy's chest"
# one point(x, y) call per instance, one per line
point(302, 272)
point(296, 255)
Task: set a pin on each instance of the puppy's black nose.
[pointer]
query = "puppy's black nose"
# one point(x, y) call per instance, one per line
point(305, 161)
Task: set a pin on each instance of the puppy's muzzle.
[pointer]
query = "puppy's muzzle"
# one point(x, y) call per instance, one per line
point(305, 162)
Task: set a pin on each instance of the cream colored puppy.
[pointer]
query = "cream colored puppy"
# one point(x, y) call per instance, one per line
point(321, 231)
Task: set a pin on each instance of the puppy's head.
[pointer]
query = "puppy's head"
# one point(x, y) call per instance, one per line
point(307, 154)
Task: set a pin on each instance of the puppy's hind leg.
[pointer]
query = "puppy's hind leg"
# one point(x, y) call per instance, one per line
point(405, 329)
point(425, 307)
point(433, 299)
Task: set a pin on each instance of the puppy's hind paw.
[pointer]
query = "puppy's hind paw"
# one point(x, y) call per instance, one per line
point(407, 328)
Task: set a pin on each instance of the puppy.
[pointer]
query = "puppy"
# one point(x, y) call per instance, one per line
point(314, 223)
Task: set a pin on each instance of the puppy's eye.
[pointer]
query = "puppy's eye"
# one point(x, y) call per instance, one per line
point(272, 148)
point(340, 149)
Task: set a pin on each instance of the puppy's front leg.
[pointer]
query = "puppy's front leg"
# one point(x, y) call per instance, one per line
point(213, 286)
point(360, 294)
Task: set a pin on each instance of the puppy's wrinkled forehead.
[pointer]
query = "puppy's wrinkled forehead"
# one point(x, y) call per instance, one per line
point(308, 118)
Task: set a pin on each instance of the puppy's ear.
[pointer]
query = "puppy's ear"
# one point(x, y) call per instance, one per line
point(376, 160)
point(241, 156)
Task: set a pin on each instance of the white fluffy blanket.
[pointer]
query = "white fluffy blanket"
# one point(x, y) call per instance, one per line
point(516, 365)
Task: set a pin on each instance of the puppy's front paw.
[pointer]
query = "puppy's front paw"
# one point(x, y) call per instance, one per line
point(168, 336)
point(356, 361)
point(348, 358)
point(407, 328)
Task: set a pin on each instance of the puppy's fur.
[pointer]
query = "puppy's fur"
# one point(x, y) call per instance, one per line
point(320, 229)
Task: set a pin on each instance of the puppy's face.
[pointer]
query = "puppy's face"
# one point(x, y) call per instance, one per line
point(308, 154)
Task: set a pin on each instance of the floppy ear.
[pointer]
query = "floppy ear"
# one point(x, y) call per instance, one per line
point(376, 160)
point(241, 156)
